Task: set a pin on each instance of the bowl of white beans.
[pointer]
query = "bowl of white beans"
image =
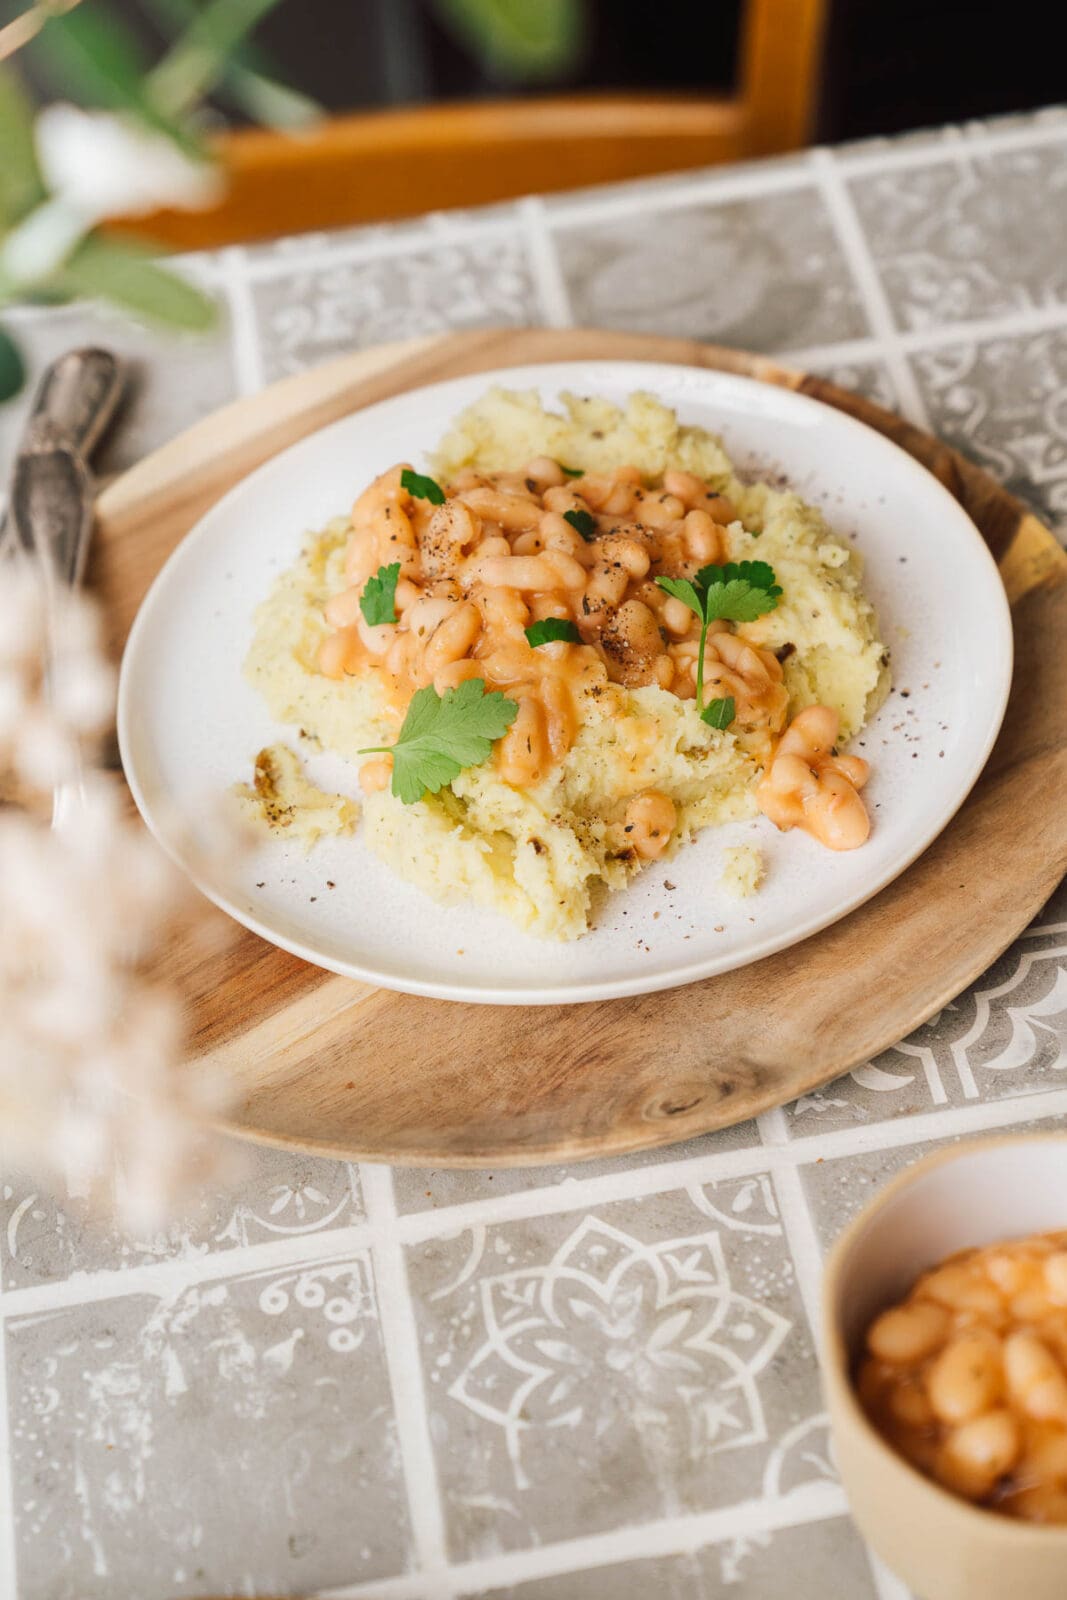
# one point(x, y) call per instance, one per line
point(945, 1369)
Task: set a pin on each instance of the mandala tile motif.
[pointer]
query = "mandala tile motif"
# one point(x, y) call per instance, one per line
point(764, 274)
point(969, 237)
point(744, 1205)
point(1005, 1036)
point(307, 317)
point(663, 1316)
point(1005, 403)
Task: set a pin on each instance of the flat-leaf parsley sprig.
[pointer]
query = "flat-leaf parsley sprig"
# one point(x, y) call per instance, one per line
point(422, 487)
point(551, 629)
point(740, 591)
point(378, 600)
point(442, 734)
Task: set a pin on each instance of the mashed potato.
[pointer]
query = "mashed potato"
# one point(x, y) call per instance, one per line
point(543, 852)
point(283, 799)
point(839, 660)
point(742, 870)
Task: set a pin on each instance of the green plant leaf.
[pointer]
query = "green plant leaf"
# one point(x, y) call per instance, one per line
point(12, 371)
point(740, 591)
point(20, 182)
point(268, 101)
point(519, 38)
point(249, 76)
point(125, 274)
point(98, 61)
point(95, 56)
point(200, 57)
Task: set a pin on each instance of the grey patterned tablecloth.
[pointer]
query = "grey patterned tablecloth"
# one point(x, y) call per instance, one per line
point(598, 1383)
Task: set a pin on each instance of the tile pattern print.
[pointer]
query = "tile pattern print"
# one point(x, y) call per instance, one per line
point(1005, 1036)
point(309, 316)
point(139, 1426)
point(963, 239)
point(763, 274)
point(1004, 403)
point(666, 1311)
point(646, 1359)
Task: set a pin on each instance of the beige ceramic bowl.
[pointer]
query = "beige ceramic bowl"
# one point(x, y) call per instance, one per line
point(972, 1194)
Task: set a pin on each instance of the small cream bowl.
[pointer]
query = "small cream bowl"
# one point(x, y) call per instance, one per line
point(965, 1196)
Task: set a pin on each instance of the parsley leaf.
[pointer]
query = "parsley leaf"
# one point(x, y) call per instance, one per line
point(421, 487)
point(681, 589)
point(740, 591)
point(442, 734)
point(378, 600)
point(719, 713)
point(572, 472)
point(550, 629)
point(582, 522)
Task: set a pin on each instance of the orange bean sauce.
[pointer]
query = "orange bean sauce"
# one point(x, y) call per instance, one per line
point(967, 1376)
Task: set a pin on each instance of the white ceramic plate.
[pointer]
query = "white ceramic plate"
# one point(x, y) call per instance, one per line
point(189, 724)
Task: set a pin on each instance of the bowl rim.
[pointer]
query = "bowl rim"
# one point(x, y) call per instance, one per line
point(836, 1364)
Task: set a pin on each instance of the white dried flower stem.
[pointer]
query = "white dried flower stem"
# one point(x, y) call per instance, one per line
point(92, 1080)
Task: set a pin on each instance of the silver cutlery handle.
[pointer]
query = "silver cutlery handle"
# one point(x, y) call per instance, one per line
point(50, 507)
point(52, 517)
point(51, 502)
point(79, 395)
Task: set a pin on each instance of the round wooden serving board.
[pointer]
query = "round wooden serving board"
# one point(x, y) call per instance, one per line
point(326, 1064)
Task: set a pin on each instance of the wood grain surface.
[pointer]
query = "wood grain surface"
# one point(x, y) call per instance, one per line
point(330, 1065)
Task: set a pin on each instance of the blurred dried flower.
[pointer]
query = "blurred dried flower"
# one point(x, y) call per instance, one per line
point(102, 164)
point(93, 1085)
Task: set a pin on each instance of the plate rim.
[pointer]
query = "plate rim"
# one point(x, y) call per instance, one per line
point(600, 990)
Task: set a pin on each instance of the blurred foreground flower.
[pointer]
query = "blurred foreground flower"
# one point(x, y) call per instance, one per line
point(128, 137)
point(136, 147)
point(94, 1088)
point(100, 164)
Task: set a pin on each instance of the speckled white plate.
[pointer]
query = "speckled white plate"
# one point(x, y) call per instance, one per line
point(189, 724)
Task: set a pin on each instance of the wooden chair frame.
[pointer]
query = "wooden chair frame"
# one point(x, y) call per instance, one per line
point(381, 165)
